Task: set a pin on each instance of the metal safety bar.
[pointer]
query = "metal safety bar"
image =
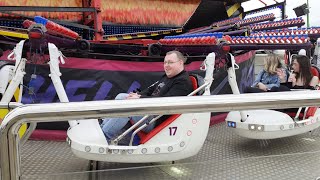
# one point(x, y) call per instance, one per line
point(31, 126)
point(159, 116)
point(10, 105)
point(135, 125)
point(116, 140)
point(53, 112)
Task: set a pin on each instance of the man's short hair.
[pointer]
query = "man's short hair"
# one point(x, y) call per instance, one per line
point(179, 55)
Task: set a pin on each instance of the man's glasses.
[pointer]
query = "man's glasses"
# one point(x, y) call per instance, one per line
point(169, 62)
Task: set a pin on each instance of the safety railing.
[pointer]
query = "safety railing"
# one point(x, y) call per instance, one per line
point(9, 140)
point(31, 126)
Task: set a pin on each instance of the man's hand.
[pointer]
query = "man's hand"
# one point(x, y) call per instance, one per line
point(133, 96)
point(262, 87)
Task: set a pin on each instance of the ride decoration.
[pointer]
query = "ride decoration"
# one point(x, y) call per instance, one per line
point(244, 22)
point(193, 39)
point(42, 31)
point(52, 27)
point(266, 17)
point(223, 26)
point(222, 39)
point(216, 38)
point(226, 22)
point(221, 44)
point(278, 24)
point(313, 31)
point(288, 39)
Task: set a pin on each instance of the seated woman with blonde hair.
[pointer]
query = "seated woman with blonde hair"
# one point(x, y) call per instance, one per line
point(267, 79)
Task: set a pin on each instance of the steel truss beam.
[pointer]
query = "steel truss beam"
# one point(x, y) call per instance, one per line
point(46, 9)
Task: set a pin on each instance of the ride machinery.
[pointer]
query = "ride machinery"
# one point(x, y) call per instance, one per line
point(187, 131)
point(179, 136)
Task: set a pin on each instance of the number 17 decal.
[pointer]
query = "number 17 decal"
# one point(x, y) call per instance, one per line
point(172, 130)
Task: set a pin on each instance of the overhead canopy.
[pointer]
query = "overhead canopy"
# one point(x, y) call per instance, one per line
point(210, 11)
point(256, 4)
point(230, 1)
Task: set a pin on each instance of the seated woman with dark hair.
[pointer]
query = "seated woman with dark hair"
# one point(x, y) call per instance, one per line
point(301, 77)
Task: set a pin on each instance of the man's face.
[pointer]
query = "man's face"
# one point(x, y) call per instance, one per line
point(172, 65)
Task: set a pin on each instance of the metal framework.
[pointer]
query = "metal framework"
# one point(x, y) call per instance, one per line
point(46, 9)
point(92, 14)
point(94, 17)
point(10, 155)
point(282, 4)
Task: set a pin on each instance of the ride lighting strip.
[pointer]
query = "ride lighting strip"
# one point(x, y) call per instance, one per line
point(226, 22)
point(314, 31)
point(275, 127)
point(289, 39)
point(278, 24)
point(244, 22)
point(14, 34)
point(267, 17)
point(130, 150)
point(222, 26)
point(141, 34)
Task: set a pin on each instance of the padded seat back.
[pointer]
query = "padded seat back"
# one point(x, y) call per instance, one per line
point(312, 110)
point(197, 81)
point(315, 71)
point(194, 82)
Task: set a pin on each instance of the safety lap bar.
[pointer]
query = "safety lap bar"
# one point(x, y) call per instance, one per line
point(135, 125)
point(53, 112)
point(158, 117)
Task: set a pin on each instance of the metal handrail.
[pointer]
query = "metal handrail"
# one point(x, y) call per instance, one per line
point(10, 105)
point(53, 112)
point(153, 120)
point(32, 126)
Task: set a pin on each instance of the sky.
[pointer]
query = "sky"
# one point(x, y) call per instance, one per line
point(314, 18)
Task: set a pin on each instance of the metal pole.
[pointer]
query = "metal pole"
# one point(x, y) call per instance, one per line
point(52, 112)
point(265, 4)
point(308, 22)
point(10, 105)
point(98, 34)
point(284, 9)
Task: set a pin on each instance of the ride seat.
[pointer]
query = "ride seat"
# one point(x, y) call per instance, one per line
point(144, 137)
point(312, 110)
point(315, 71)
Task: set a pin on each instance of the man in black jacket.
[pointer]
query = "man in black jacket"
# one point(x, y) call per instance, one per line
point(175, 82)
